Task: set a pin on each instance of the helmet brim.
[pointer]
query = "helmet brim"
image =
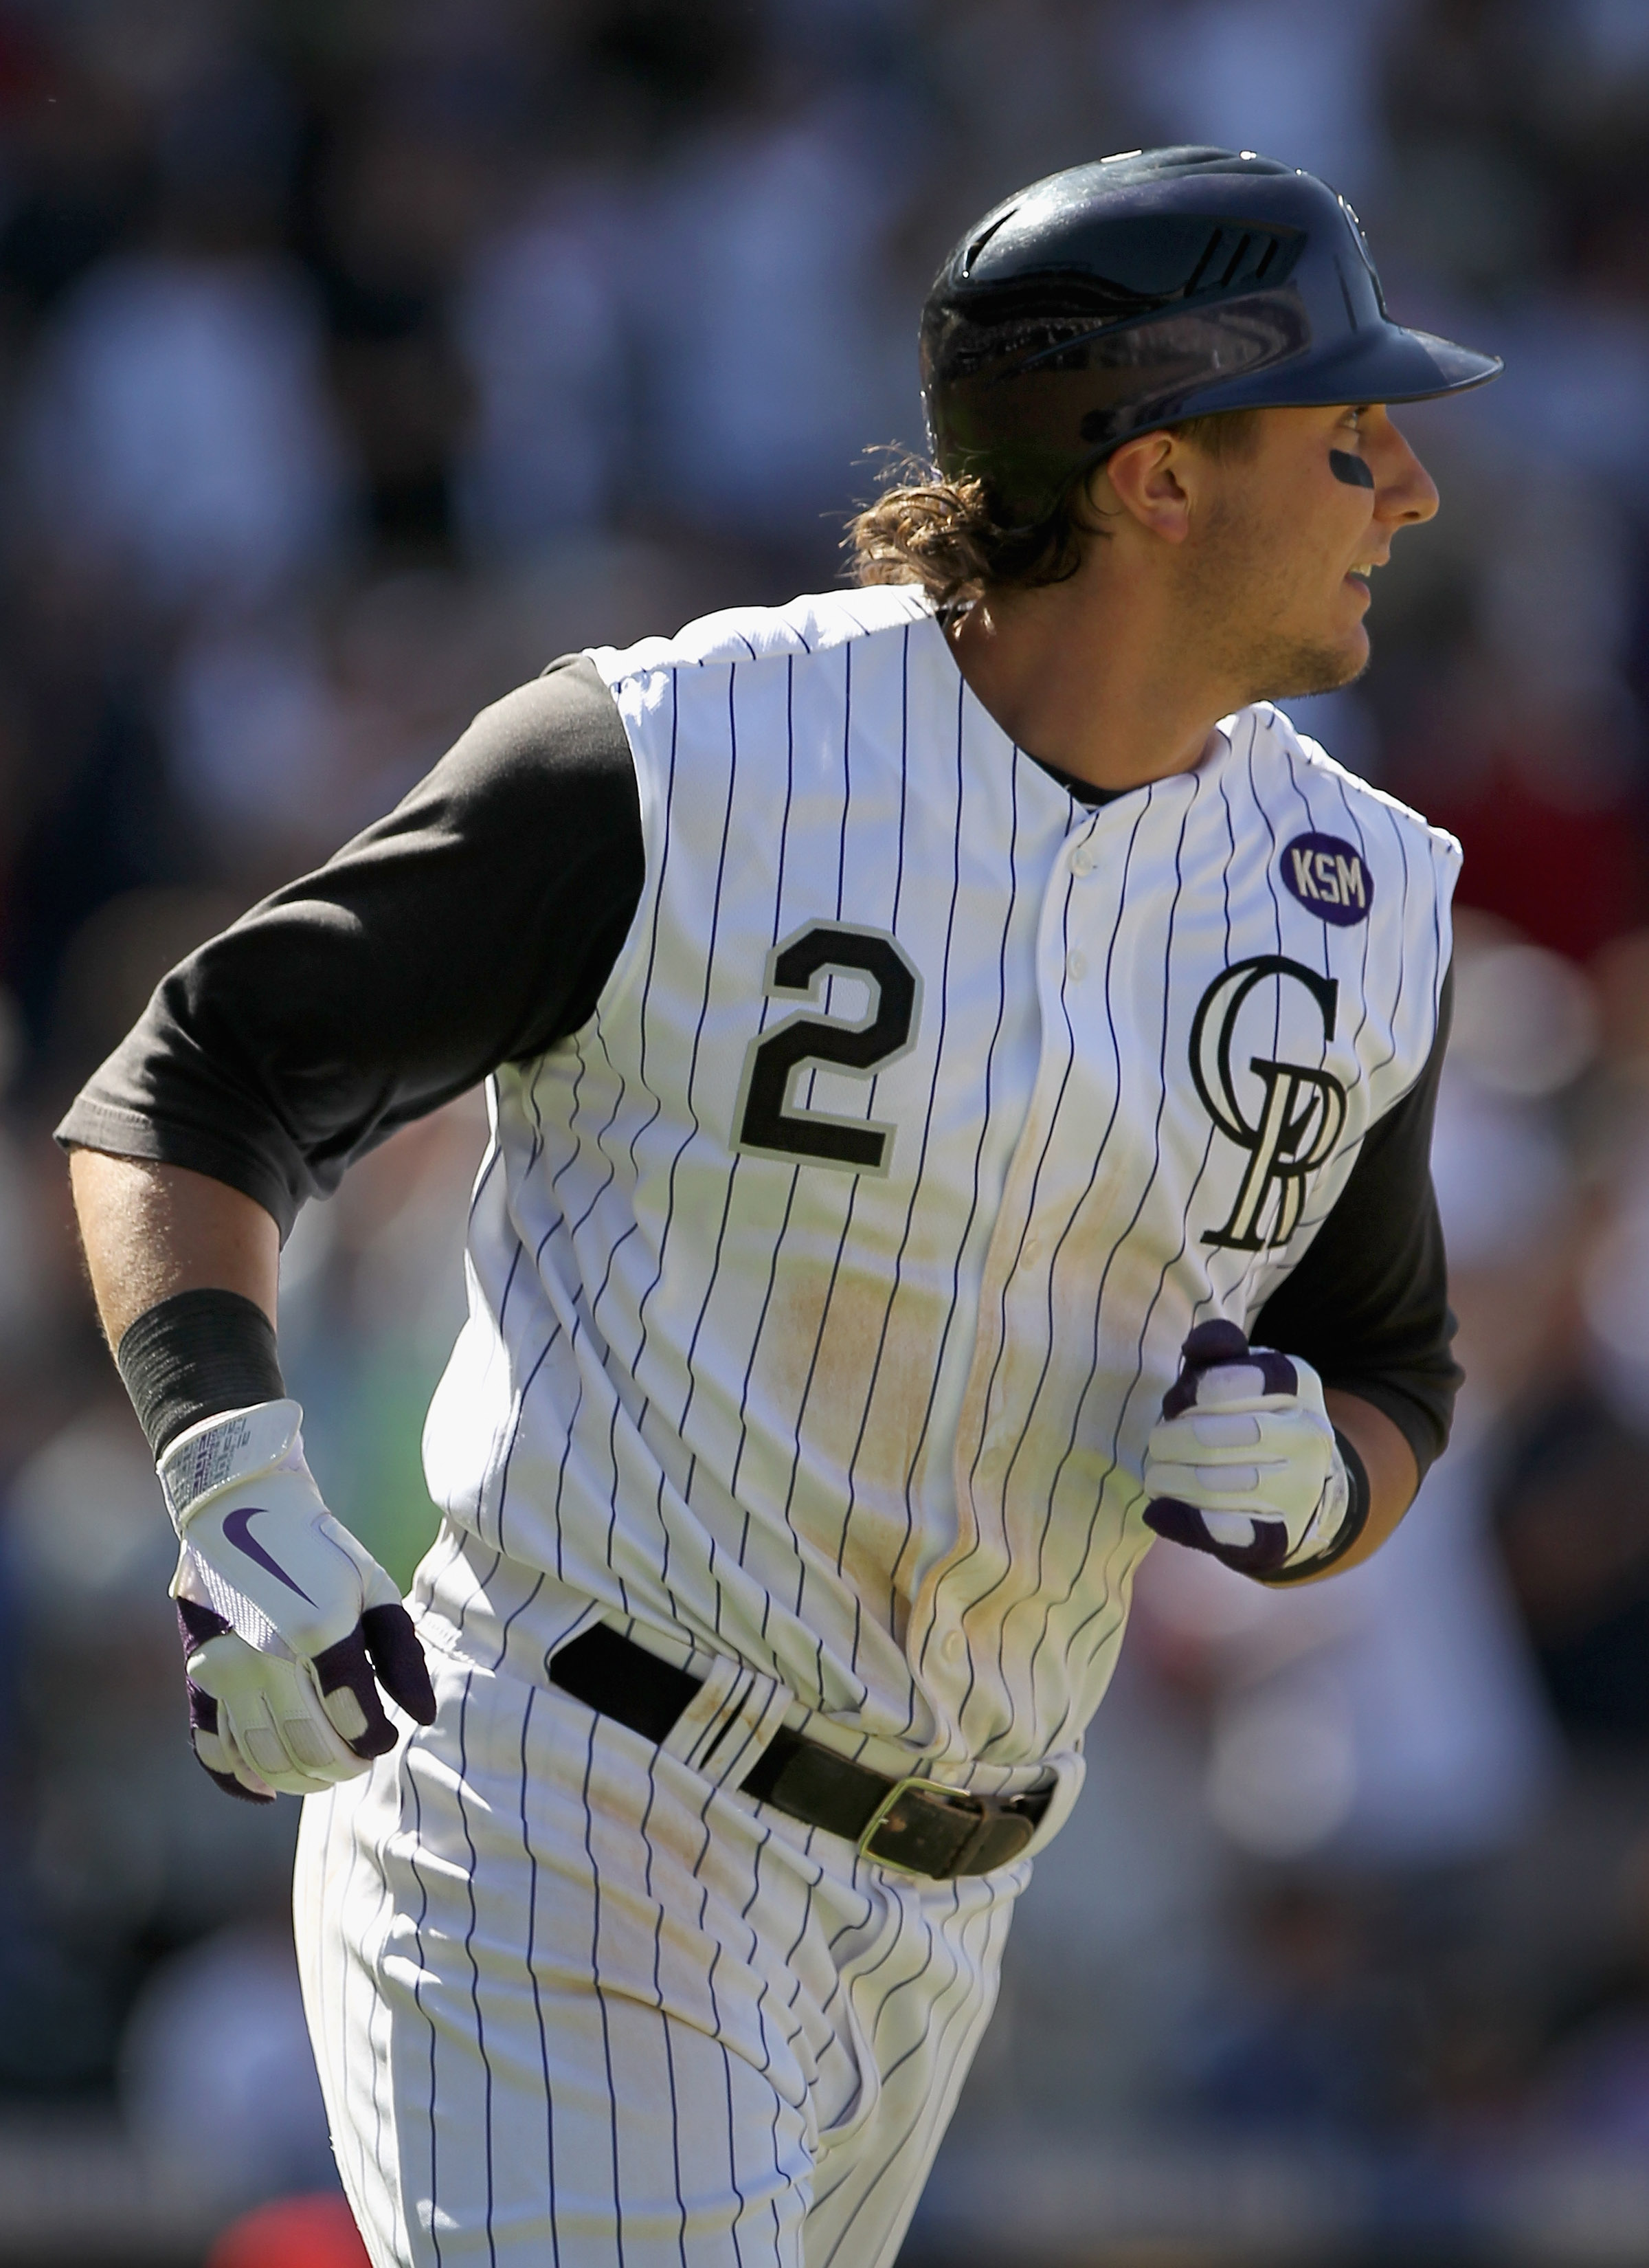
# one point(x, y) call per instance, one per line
point(1383, 365)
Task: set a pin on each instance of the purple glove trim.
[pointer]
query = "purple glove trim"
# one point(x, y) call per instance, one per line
point(227, 1781)
point(196, 1624)
point(1209, 1347)
point(398, 1658)
point(384, 1641)
point(1178, 1522)
point(343, 1666)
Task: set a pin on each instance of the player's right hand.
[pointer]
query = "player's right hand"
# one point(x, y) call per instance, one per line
point(289, 1626)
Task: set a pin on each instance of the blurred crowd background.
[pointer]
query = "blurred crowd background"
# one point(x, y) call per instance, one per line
point(356, 356)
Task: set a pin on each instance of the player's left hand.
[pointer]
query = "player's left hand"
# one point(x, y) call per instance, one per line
point(1245, 1464)
point(289, 1626)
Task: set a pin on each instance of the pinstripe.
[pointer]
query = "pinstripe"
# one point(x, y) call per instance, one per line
point(847, 1223)
point(714, 1267)
point(1304, 802)
point(530, 1956)
point(1356, 826)
point(1108, 1588)
point(380, 2051)
point(744, 1392)
point(893, 923)
point(1204, 1305)
point(766, 1007)
point(539, 1360)
point(355, 1980)
point(600, 1996)
point(640, 1075)
point(892, 2155)
point(560, 1224)
point(535, 1153)
point(1277, 904)
point(1293, 781)
point(694, 1126)
point(474, 1966)
point(1104, 1603)
point(733, 2153)
point(927, 1117)
point(918, 2047)
point(710, 1987)
point(418, 1996)
point(978, 1156)
point(1074, 1210)
point(766, 2064)
point(1312, 1215)
point(1354, 1146)
point(346, 1998)
point(1042, 1159)
point(847, 772)
point(664, 2027)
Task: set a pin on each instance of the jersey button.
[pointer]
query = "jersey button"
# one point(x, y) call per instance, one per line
point(1082, 859)
point(1076, 966)
point(953, 1645)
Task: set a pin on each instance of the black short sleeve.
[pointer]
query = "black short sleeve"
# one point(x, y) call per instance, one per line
point(1368, 1305)
point(475, 926)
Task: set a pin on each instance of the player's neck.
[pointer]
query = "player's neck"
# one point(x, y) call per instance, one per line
point(1095, 680)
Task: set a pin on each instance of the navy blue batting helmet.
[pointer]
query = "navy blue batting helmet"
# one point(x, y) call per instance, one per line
point(1162, 285)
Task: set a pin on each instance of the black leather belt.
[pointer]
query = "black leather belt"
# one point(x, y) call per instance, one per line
point(914, 1824)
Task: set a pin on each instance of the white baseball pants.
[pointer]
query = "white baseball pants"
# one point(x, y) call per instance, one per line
point(576, 2006)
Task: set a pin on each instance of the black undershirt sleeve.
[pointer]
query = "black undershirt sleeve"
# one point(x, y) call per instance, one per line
point(475, 926)
point(1367, 1307)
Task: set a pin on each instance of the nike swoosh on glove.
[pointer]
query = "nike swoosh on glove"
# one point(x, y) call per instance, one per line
point(1246, 1465)
point(289, 1626)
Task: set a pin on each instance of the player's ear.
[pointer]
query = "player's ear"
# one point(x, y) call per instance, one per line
point(1145, 477)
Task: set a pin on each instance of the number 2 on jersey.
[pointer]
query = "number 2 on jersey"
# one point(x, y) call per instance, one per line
point(768, 1122)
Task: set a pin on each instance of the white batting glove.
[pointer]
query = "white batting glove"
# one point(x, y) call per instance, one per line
point(284, 1618)
point(1246, 1465)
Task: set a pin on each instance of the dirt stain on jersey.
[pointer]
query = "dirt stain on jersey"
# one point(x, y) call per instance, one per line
point(847, 1363)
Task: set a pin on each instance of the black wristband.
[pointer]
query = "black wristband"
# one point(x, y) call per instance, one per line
point(193, 1355)
point(1351, 1527)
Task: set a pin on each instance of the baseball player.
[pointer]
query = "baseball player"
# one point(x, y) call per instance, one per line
point(960, 1071)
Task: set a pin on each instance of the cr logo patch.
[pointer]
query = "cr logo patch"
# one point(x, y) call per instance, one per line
point(1330, 878)
point(1289, 1118)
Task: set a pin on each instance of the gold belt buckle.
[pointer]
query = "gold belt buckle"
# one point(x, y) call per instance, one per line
point(882, 1823)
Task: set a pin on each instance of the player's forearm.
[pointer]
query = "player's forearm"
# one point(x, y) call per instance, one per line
point(152, 1230)
point(1393, 1475)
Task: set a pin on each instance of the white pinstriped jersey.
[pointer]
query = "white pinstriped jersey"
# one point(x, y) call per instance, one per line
point(824, 1287)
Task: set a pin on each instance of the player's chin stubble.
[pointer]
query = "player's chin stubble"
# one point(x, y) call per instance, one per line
point(1288, 672)
point(1237, 605)
point(1266, 665)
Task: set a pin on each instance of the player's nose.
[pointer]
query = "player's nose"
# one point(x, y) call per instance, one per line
point(1405, 493)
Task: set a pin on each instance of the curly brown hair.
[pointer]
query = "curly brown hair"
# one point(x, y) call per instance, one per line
point(945, 536)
